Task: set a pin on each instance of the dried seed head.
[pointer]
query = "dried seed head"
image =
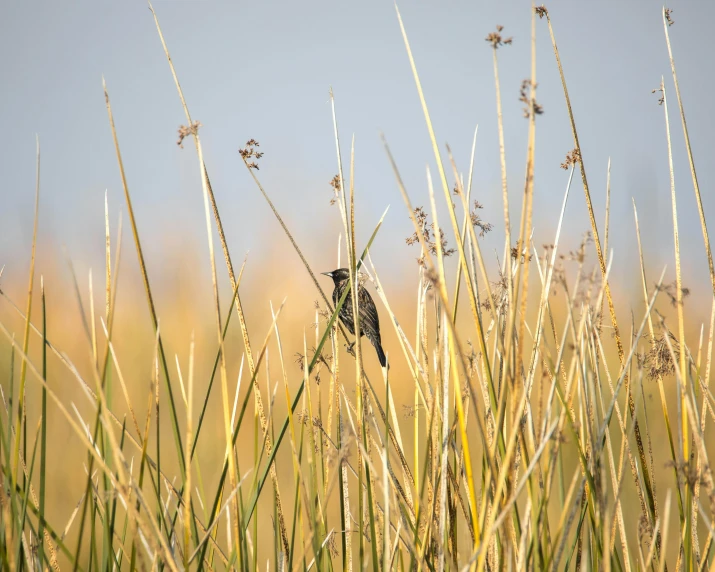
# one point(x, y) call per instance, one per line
point(671, 291)
point(249, 151)
point(496, 39)
point(335, 185)
point(500, 295)
point(572, 157)
point(669, 19)
point(658, 359)
point(185, 131)
point(429, 236)
point(532, 107)
point(483, 226)
point(519, 252)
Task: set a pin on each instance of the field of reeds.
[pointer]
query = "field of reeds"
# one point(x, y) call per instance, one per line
point(522, 423)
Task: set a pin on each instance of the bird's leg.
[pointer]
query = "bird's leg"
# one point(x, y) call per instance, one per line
point(350, 349)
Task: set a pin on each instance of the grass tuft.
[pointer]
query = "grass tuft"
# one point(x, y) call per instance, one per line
point(515, 429)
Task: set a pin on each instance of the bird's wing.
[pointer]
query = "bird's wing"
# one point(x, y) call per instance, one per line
point(368, 312)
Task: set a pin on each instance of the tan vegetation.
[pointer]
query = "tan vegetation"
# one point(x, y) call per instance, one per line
point(521, 424)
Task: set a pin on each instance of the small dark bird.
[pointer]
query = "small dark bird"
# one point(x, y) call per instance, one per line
point(369, 320)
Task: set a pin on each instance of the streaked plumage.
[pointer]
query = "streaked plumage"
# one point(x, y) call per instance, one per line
point(369, 320)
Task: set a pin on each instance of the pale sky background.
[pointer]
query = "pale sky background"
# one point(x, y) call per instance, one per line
point(263, 69)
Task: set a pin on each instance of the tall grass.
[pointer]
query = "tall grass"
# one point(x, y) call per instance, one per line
point(525, 444)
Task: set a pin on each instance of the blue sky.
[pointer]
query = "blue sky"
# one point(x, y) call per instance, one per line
point(263, 71)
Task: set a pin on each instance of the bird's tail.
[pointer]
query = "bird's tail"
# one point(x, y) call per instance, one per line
point(380, 354)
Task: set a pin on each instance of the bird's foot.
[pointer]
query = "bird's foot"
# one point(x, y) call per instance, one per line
point(351, 349)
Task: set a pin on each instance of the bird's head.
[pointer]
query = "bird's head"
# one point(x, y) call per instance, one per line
point(339, 275)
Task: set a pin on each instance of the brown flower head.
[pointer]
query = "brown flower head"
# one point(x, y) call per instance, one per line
point(249, 151)
point(661, 99)
point(572, 157)
point(658, 359)
point(429, 236)
point(671, 291)
point(335, 184)
point(483, 226)
point(496, 39)
point(185, 131)
point(532, 107)
point(669, 19)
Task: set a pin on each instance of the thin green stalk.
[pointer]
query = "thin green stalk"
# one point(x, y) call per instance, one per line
point(147, 288)
point(254, 499)
point(651, 514)
point(25, 502)
point(21, 414)
point(43, 444)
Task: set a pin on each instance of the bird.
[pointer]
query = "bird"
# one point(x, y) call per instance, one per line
point(369, 320)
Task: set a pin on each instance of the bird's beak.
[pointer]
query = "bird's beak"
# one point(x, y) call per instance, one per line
point(327, 274)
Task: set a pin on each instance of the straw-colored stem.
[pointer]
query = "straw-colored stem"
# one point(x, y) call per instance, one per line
point(652, 514)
